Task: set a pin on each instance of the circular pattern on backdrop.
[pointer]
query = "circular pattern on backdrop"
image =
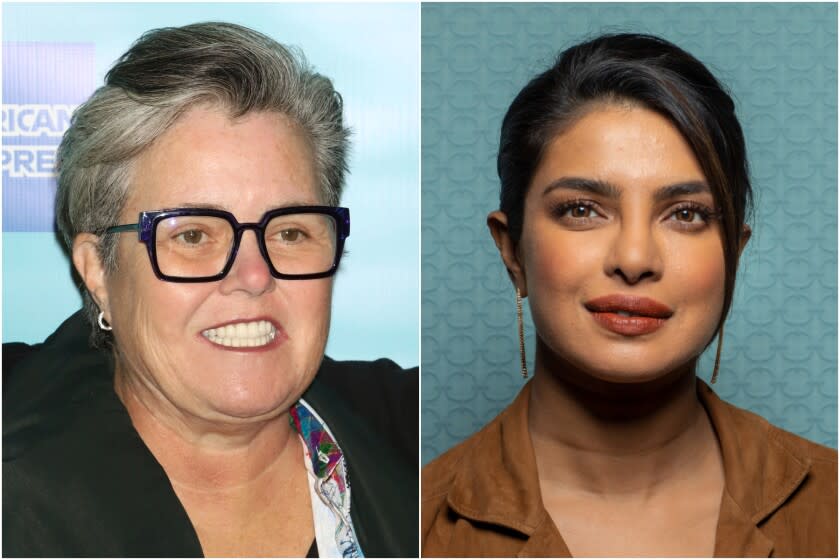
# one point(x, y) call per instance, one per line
point(779, 62)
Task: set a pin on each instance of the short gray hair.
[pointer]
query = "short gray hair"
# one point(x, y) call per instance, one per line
point(166, 72)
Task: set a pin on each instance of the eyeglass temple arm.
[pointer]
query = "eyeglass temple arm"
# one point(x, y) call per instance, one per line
point(124, 227)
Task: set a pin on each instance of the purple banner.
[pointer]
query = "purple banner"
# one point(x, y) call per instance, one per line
point(42, 84)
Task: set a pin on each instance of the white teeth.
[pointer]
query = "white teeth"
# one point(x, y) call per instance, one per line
point(623, 313)
point(239, 335)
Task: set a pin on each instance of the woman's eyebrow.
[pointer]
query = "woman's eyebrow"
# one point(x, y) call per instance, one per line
point(681, 189)
point(200, 206)
point(591, 186)
point(609, 190)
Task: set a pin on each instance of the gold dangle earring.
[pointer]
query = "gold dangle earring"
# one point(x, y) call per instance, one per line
point(717, 356)
point(521, 334)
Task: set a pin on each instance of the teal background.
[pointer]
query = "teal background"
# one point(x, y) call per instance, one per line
point(780, 62)
point(371, 52)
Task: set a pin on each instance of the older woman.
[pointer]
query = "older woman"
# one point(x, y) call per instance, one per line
point(623, 203)
point(198, 193)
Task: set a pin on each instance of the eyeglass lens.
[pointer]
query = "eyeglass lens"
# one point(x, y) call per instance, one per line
point(199, 246)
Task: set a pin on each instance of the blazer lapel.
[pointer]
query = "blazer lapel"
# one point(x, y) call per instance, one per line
point(761, 474)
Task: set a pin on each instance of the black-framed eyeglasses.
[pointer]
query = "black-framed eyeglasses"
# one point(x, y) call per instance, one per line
point(200, 244)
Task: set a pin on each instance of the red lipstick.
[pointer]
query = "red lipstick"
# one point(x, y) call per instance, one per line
point(628, 315)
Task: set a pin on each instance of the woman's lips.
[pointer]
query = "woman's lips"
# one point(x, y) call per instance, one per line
point(628, 326)
point(629, 315)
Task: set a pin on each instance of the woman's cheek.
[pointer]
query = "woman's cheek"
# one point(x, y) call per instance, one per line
point(562, 263)
point(701, 277)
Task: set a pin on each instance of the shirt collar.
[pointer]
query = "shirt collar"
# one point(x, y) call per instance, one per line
point(761, 474)
point(323, 449)
point(498, 482)
point(329, 487)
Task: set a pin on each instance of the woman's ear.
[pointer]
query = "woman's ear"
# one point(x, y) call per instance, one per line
point(89, 266)
point(746, 233)
point(498, 223)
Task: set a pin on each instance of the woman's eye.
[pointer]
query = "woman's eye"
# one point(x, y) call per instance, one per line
point(580, 211)
point(291, 235)
point(689, 216)
point(577, 211)
point(191, 237)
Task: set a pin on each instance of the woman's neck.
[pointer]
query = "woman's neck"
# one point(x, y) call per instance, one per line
point(201, 456)
point(612, 439)
point(244, 487)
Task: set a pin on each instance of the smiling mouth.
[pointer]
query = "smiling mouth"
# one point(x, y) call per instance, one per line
point(242, 335)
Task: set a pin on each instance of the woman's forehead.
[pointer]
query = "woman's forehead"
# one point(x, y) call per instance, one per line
point(249, 165)
point(617, 148)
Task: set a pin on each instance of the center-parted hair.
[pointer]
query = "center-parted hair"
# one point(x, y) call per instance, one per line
point(640, 70)
point(165, 73)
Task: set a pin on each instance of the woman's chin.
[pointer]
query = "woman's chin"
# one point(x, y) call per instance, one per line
point(622, 370)
point(247, 411)
point(251, 403)
point(614, 377)
point(246, 393)
point(625, 377)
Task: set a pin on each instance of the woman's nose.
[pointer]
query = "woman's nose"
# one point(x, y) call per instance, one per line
point(250, 272)
point(635, 253)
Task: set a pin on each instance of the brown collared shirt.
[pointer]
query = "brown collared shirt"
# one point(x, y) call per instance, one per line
point(482, 497)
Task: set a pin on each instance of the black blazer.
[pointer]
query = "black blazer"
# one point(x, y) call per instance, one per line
point(79, 481)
